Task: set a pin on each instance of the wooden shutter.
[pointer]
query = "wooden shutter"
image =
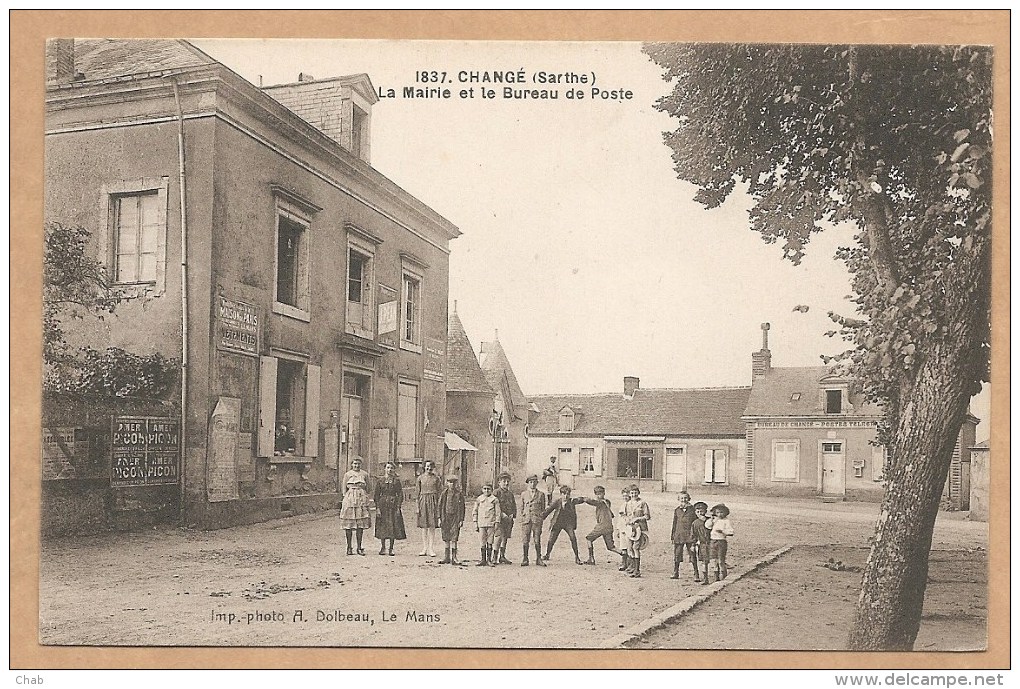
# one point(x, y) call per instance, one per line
point(267, 405)
point(709, 461)
point(722, 459)
point(312, 374)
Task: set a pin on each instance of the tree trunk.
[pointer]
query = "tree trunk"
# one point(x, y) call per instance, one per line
point(930, 415)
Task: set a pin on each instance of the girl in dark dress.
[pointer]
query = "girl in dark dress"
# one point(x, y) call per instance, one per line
point(389, 522)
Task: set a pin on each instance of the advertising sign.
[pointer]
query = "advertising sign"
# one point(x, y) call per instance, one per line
point(238, 325)
point(145, 451)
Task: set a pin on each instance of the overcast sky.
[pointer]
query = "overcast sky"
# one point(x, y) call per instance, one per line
point(580, 245)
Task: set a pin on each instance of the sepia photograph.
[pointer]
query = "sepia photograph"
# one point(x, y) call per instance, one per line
point(449, 344)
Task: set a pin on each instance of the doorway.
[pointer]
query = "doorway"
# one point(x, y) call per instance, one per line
point(833, 463)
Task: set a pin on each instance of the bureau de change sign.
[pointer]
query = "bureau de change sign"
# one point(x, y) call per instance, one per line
point(146, 451)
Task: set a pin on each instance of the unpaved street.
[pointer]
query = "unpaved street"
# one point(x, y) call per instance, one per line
point(289, 583)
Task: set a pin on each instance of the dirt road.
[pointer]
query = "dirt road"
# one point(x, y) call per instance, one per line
point(289, 583)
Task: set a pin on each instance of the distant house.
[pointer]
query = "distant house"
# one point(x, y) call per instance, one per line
point(660, 439)
point(796, 431)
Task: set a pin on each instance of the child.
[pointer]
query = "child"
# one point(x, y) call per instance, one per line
point(486, 516)
point(683, 538)
point(721, 529)
point(603, 523)
point(354, 510)
point(565, 519)
point(620, 524)
point(702, 537)
point(637, 514)
point(532, 509)
point(508, 508)
point(451, 517)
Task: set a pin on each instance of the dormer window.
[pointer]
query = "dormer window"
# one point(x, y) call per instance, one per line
point(795, 397)
point(833, 401)
point(567, 421)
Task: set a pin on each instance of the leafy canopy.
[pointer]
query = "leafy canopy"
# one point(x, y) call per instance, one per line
point(895, 139)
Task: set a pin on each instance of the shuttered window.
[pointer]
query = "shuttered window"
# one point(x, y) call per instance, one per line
point(785, 460)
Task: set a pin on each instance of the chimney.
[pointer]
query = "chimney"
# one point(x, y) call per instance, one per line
point(59, 61)
point(761, 361)
point(339, 107)
point(630, 386)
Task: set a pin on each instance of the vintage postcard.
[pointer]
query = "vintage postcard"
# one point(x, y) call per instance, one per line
point(509, 344)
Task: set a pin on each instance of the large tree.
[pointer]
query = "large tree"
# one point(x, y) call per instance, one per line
point(897, 141)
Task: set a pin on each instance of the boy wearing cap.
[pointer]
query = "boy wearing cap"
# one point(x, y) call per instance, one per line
point(486, 516)
point(564, 513)
point(508, 509)
point(451, 518)
point(532, 515)
point(603, 523)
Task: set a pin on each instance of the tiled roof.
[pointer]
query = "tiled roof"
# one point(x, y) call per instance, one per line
point(495, 365)
point(113, 57)
point(463, 374)
point(795, 391)
point(703, 412)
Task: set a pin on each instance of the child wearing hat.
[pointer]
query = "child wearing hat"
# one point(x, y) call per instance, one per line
point(532, 515)
point(702, 534)
point(683, 535)
point(486, 516)
point(603, 523)
point(637, 514)
point(451, 518)
point(721, 529)
point(508, 509)
point(564, 513)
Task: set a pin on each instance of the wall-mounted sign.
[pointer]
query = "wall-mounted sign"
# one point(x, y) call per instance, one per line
point(389, 307)
point(435, 358)
point(237, 327)
point(146, 451)
point(65, 454)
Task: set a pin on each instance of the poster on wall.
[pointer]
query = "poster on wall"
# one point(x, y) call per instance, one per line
point(221, 481)
point(238, 326)
point(435, 358)
point(65, 454)
point(145, 451)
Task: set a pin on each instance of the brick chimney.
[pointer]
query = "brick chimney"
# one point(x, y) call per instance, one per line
point(339, 107)
point(59, 61)
point(630, 386)
point(761, 361)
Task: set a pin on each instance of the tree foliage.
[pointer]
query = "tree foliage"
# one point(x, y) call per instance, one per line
point(75, 288)
point(896, 140)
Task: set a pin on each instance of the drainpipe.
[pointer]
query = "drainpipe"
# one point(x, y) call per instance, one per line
point(184, 292)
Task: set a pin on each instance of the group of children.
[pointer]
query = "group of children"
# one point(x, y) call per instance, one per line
point(701, 536)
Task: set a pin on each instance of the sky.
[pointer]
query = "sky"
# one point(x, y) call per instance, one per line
point(580, 246)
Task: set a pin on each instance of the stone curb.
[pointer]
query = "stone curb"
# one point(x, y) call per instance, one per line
point(687, 604)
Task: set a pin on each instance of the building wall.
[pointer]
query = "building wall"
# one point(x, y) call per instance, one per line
point(979, 483)
point(857, 448)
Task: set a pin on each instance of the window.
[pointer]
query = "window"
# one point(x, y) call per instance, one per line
point(786, 460)
point(407, 421)
point(135, 241)
point(291, 297)
point(359, 294)
point(833, 401)
point(566, 421)
point(587, 461)
point(626, 462)
point(410, 314)
point(646, 458)
point(795, 397)
point(565, 459)
point(137, 227)
point(715, 466)
point(832, 447)
point(288, 408)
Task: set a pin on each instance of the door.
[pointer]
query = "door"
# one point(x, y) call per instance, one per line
point(355, 391)
point(676, 469)
point(833, 469)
